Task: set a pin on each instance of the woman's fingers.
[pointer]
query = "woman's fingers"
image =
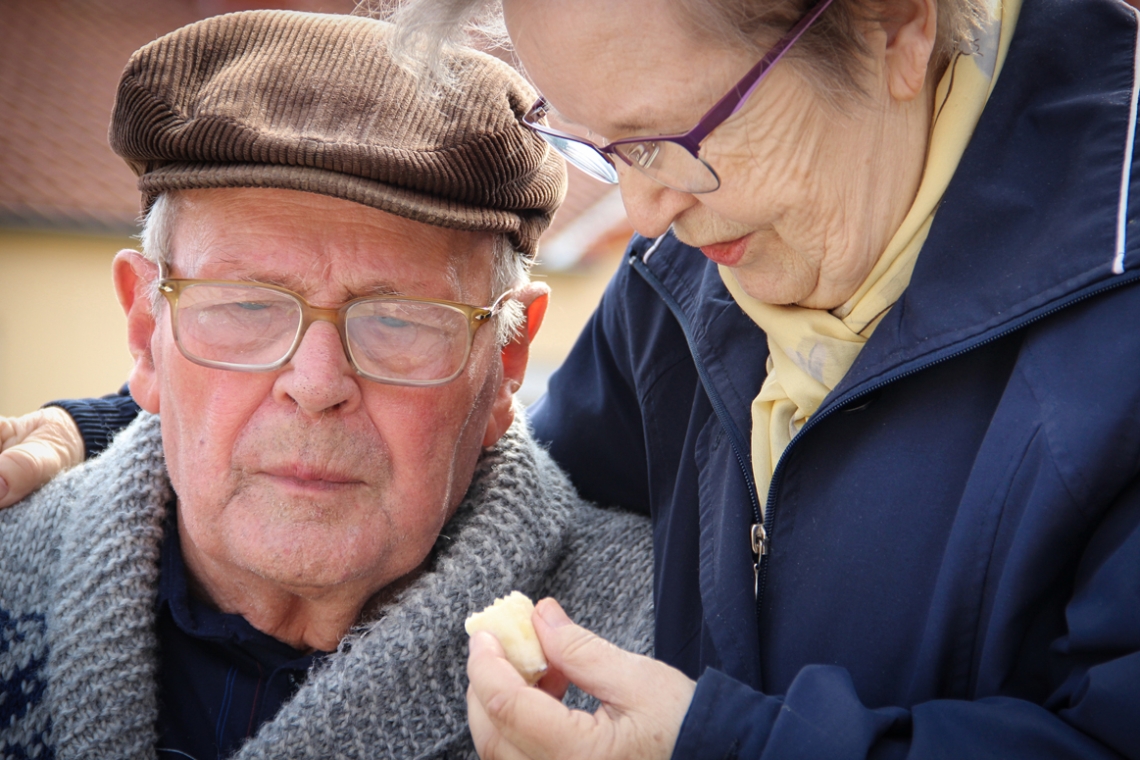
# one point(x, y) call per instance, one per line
point(643, 701)
point(34, 448)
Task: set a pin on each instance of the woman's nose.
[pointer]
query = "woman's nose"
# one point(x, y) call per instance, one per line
point(650, 206)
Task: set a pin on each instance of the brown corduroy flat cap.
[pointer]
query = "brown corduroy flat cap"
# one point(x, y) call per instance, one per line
point(315, 102)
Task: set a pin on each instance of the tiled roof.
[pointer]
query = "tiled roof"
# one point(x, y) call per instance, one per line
point(60, 62)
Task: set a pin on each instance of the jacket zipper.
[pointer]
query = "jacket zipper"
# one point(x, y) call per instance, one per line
point(758, 531)
point(761, 529)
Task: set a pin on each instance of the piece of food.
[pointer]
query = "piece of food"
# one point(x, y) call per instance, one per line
point(509, 620)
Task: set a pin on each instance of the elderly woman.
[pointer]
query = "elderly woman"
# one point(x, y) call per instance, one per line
point(871, 367)
point(888, 424)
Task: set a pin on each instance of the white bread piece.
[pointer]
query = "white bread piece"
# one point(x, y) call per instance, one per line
point(509, 620)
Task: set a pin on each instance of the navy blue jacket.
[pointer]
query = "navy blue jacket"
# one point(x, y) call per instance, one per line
point(954, 559)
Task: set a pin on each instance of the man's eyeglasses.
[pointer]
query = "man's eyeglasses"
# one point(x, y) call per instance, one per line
point(253, 327)
point(672, 160)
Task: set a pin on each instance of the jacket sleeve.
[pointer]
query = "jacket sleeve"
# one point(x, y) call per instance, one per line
point(590, 417)
point(1092, 710)
point(99, 419)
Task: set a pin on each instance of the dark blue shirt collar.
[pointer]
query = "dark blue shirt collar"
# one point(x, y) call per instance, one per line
point(197, 618)
point(219, 677)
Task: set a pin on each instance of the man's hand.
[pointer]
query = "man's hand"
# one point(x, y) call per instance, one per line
point(34, 449)
point(643, 701)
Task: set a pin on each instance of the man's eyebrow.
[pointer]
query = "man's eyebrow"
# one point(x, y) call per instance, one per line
point(383, 289)
point(298, 286)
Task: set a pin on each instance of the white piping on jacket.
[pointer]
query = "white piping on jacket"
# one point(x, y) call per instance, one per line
point(1129, 144)
point(656, 243)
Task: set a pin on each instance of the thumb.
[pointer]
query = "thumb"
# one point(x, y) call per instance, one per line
point(33, 448)
point(23, 468)
point(590, 662)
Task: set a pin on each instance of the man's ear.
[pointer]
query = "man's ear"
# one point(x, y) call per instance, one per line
point(134, 277)
point(911, 27)
point(534, 297)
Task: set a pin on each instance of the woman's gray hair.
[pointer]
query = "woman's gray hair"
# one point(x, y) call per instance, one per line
point(830, 53)
point(509, 268)
point(426, 29)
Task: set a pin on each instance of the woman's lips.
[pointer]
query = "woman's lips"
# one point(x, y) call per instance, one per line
point(726, 254)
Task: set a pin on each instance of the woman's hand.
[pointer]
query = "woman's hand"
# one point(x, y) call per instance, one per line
point(34, 449)
point(643, 700)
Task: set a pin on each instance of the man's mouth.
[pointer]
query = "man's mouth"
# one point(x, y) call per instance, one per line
point(728, 253)
point(302, 476)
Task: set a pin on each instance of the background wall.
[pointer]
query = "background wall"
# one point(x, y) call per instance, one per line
point(61, 330)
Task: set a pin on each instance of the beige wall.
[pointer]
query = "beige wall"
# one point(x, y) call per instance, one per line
point(573, 297)
point(61, 331)
point(62, 334)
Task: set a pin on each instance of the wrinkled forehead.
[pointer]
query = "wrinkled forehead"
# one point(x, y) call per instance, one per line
point(322, 247)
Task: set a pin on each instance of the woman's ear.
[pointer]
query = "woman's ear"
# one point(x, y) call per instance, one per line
point(134, 277)
point(911, 27)
point(534, 297)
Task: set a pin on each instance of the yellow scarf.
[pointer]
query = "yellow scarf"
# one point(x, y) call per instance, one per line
point(810, 350)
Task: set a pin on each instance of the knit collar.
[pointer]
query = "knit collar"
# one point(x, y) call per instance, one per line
point(396, 685)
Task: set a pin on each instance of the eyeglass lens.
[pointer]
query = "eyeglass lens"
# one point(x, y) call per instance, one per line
point(670, 164)
point(252, 328)
point(664, 161)
point(583, 155)
point(406, 340)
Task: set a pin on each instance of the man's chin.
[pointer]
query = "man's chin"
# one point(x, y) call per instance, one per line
point(307, 535)
point(309, 564)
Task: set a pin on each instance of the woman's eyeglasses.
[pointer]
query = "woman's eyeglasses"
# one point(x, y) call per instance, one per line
point(672, 160)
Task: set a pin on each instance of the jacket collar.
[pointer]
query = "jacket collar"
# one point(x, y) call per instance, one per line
point(1029, 224)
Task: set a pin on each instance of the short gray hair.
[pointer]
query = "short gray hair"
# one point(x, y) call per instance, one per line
point(509, 268)
point(829, 53)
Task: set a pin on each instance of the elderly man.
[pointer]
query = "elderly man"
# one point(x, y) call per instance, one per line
point(328, 325)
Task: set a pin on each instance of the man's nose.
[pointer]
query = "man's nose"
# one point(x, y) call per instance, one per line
point(650, 206)
point(319, 377)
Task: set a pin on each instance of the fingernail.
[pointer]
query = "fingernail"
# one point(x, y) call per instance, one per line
point(552, 612)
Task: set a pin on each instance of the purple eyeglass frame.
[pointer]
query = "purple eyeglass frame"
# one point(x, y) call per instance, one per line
point(724, 108)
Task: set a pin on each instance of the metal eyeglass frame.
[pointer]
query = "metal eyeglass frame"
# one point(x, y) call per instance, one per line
point(477, 316)
point(724, 108)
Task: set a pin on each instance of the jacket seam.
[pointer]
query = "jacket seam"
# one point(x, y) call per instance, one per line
point(987, 575)
point(1050, 444)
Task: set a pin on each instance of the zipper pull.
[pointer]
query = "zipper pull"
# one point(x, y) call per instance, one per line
point(759, 538)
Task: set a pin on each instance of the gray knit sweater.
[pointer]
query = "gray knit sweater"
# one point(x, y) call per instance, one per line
point(78, 583)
